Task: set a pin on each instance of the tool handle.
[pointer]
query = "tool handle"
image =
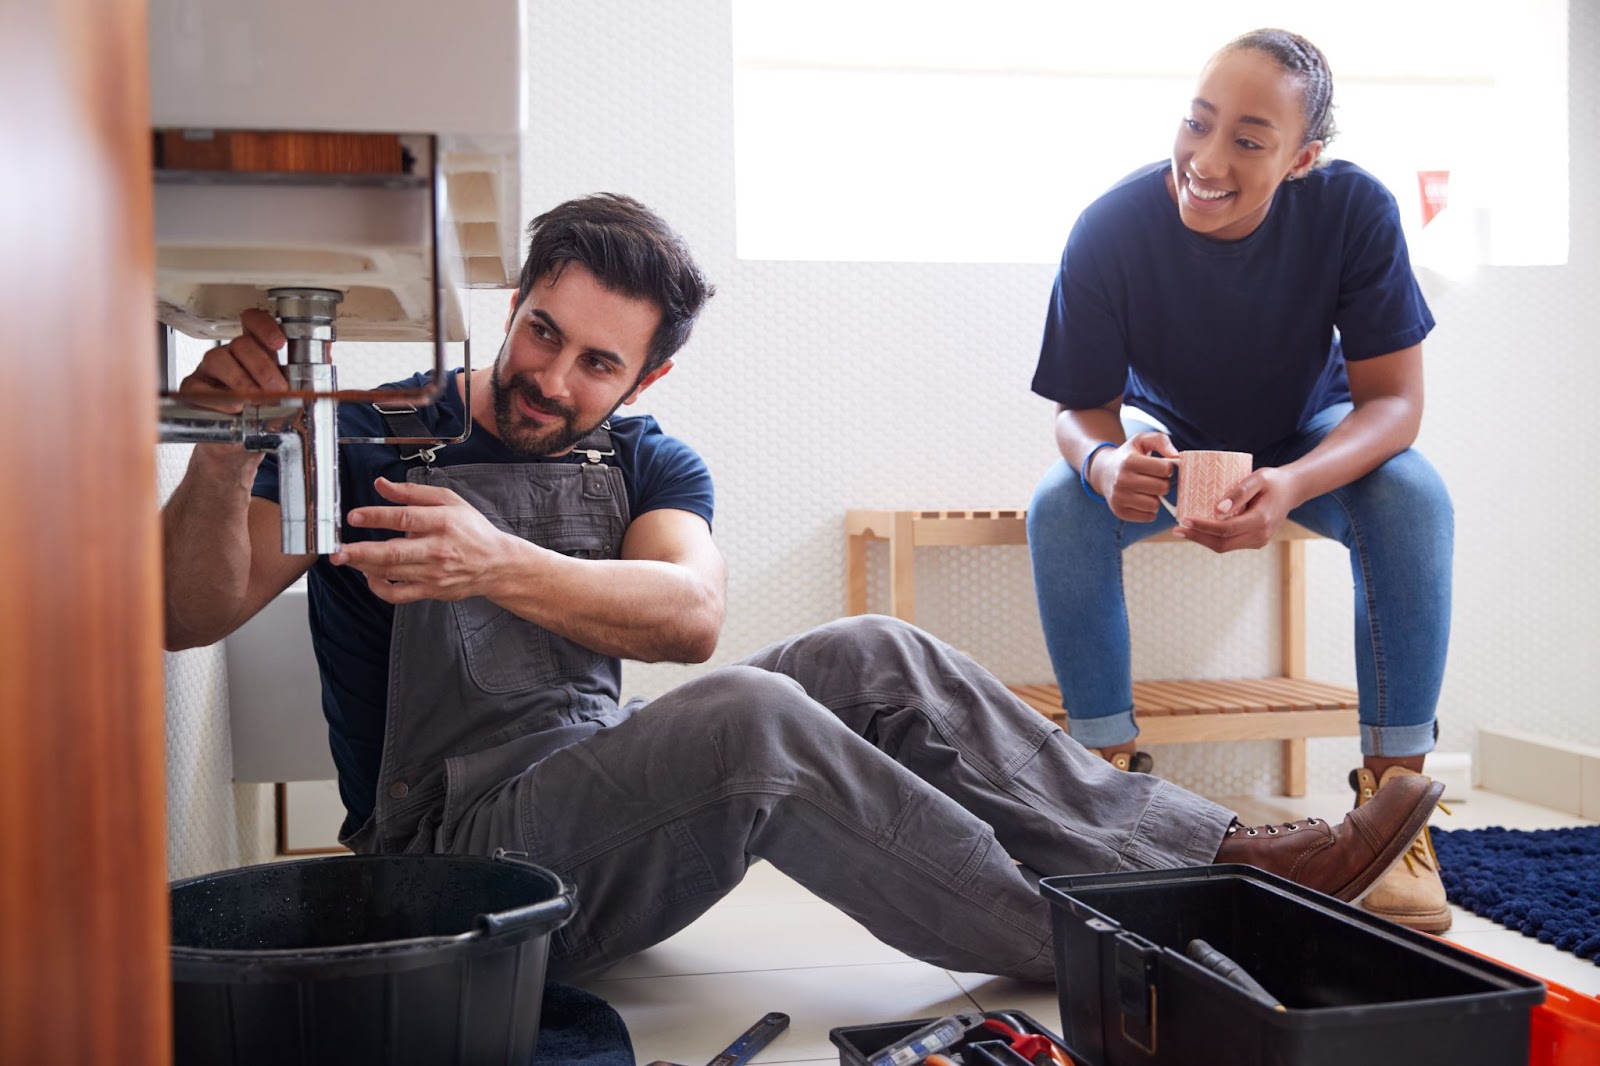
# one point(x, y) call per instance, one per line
point(752, 1040)
point(1227, 969)
point(917, 1045)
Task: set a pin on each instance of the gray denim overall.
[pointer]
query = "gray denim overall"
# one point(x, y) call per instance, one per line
point(477, 694)
point(867, 760)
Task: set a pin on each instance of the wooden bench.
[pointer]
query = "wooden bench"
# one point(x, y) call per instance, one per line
point(1288, 707)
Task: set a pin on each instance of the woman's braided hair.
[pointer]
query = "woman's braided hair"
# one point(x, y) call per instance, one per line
point(1306, 62)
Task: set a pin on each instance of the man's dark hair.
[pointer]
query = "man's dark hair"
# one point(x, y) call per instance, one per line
point(630, 250)
point(1304, 60)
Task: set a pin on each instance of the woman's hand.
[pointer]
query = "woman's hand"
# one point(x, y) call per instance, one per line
point(1133, 480)
point(1249, 515)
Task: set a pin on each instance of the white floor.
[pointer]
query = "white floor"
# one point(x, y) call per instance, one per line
point(772, 946)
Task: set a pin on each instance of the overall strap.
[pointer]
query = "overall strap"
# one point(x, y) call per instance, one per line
point(597, 446)
point(400, 420)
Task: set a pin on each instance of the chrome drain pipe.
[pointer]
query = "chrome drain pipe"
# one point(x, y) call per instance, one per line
point(304, 434)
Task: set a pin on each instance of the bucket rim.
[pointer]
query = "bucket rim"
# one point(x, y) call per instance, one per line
point(540, 918)
point(334, 951)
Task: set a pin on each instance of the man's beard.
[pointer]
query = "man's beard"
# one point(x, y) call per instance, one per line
point(539, 441)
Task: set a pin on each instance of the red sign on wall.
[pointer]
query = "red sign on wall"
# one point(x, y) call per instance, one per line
point(1435, 188)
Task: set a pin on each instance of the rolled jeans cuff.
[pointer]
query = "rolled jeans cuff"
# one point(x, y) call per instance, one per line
point(1103, 732)
point(1396, 741)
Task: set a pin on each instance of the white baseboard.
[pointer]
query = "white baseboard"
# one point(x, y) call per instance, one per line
point(310, 814)
point(1454, 768)
point(1558, 774)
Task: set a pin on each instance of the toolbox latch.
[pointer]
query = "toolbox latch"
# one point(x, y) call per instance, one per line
point(1135, 960)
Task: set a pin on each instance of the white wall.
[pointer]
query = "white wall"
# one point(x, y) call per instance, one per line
point(814, 387)
point(212, 824)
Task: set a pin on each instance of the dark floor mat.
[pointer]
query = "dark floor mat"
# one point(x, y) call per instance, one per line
point(1544, 883)
point(578, 1028)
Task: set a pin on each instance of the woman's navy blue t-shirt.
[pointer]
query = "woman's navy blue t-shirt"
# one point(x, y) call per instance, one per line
point(350, 626)
point(1233, 344)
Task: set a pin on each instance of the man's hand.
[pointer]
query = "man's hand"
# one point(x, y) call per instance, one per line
point(1132, 480)
point(1249, 514)
point(450, 551)
point(247, 362)
point(224, 559)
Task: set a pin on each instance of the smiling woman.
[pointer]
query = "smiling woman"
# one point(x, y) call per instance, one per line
point(939, 131)
point(1247, 130)
point(1240, 298)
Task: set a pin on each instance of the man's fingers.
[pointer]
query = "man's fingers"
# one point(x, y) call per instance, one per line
point(219, 370)
point(397, 592)
point(197, 389)
point(263, 327)
point(383, 555)
point(384, 571)
point(412, 518)
point(410, 492)
point(255, 350)
point(396, 518)
point(418, 510)
point(259, 362)
point(241, 365)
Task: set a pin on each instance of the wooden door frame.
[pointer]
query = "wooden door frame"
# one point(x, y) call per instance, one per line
point(83, 897)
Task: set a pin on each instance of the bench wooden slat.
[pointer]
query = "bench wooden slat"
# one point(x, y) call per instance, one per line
point(1288, 708)
point(1271, 697)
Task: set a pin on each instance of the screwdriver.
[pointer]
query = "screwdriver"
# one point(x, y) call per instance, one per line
point(1226, 968)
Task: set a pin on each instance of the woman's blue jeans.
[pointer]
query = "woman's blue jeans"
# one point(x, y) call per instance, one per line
point(1397, 522)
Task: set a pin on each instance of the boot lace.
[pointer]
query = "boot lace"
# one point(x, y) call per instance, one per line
point(1271, 830)
point(1421, 852)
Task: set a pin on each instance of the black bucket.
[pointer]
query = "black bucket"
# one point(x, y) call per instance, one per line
point(380, 959)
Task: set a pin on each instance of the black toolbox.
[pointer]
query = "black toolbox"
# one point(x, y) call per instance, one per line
point(1354, 988)
point(857, 1044)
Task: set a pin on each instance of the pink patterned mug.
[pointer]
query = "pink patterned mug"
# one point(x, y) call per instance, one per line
point(1204, 478)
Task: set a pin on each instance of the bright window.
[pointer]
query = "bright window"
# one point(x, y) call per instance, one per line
point(935, 131)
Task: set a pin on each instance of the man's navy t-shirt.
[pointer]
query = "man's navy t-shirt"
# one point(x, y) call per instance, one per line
point(1233, 344)
point(350, 626)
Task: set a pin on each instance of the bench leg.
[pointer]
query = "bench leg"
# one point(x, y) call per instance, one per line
point(1294, 767)
point(855, 574)
point(902, 568)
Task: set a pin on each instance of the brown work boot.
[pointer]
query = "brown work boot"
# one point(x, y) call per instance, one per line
point(1411, 892)
point(1344, 860)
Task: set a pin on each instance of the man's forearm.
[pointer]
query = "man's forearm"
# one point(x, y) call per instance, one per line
point(631, 608)
point(205, 538)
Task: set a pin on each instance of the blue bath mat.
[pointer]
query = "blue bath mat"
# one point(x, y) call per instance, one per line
point(1544, 883)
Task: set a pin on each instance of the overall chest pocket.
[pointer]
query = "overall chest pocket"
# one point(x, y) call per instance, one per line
point(505, 653)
